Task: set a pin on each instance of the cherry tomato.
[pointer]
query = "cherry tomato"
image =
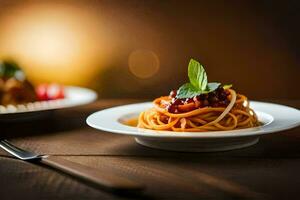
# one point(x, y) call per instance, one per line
point(52, 91)
point(41, 92)
point(55, 91)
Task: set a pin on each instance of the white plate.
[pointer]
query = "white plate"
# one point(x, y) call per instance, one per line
point(74, 96)
point(275, 118)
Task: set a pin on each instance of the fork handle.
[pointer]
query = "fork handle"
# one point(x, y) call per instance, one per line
point(102, 179)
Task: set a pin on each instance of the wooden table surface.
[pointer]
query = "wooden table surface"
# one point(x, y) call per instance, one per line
point(267, 170)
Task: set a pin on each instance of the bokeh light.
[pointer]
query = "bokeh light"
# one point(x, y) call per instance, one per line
point(143, 63)
point(55, 42)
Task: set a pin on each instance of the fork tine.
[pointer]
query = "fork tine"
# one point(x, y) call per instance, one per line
point(7, 148)
point(19, 153)
point(13, 147)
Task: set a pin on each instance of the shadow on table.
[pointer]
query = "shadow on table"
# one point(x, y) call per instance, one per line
point(47, 123)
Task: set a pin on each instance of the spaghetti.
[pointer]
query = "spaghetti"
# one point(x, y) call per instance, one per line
point(220, 110)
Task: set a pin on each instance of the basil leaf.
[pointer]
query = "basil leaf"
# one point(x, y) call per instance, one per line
point(198, 82)
point(212, 86)
point(187, 91)
point(228, 86)
point(197, 75)
point(9, 69)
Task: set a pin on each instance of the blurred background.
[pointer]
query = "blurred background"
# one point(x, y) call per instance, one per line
point(141, 49)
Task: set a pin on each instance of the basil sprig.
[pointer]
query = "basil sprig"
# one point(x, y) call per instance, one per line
point(198, 82)
point(9, 69)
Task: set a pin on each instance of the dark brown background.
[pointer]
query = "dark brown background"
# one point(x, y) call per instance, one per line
point(252, 44)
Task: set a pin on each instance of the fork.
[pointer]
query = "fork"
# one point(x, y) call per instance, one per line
point(110, 182)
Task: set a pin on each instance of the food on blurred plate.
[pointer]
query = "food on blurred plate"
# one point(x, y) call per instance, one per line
point(16, 89)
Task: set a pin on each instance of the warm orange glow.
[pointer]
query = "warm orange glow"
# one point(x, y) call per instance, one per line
point(55, 42)
point(143, 63)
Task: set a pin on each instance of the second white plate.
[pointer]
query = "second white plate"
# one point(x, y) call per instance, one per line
point(74, 96)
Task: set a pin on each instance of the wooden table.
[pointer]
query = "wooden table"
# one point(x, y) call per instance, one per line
point(267, 170)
